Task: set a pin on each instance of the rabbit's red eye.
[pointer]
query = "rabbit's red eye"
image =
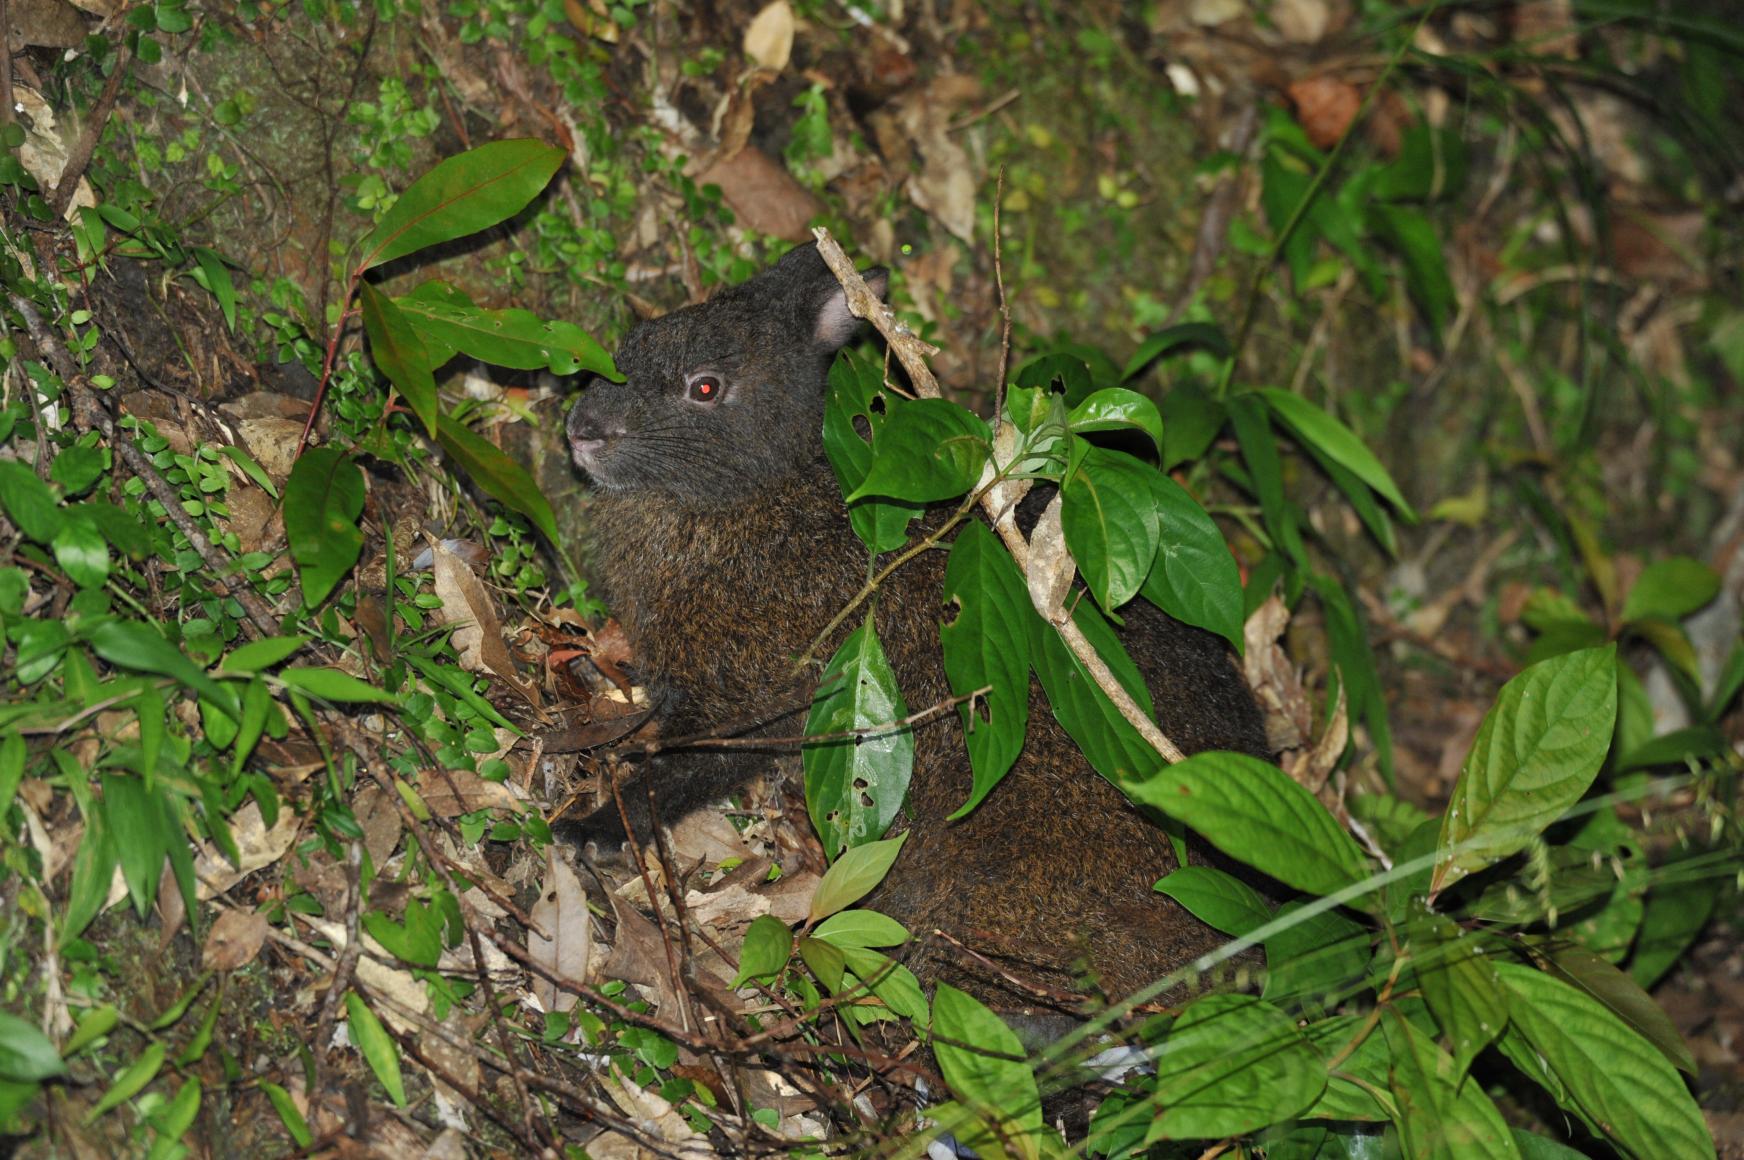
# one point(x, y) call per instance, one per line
point(706, 388)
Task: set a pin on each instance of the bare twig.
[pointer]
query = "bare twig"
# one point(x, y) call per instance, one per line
point(79, 158)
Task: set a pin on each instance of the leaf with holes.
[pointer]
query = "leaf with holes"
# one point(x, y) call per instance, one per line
point(855, 785)
point(987, 645)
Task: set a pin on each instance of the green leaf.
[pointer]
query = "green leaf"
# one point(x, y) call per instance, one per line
point(1194, 577)
point(1253, 811)
point(1579, 967)
point(141, 839)
point(856, 399)
point(929, 450)
point(825, 960)
point(984, 1066)
point(1537, 751)
point(1232, 1064)
point(121, 528)
point(1110, 522)
point(462, 195)
point(173, 1119)
point(137, 646)
point(1357, 1088)
point(1459, 983)
point(502, 478)
point(987, 644)
point(333, 685)
point(217, 276)
point(378, 1047)
point(250, 468)
point(1191, 420)
point(28, 500)
point(854, 787)
point(1413, 236)
point(892, 982)
point(94, 1024)
point(506, 338)
point(323, 498)
point(1613, 1077)
point(1201, 334)
point(82, 553)
point(78, 467)
point(1312, 425)
point(1217, 898)
point(1114, 409)
point(861, 928)
point(289, 1116)
point(1259, 450)
point(261, 654)
point(1438, 1115)
point(26, 1054)
point(1110, 743)
point(1316, 959)
point(1670, 590)
point(768, 946)
point(1675, 913)
point(131, 1081)
point(400, 354)
point(854, 875)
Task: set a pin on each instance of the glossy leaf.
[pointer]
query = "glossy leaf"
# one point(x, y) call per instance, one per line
point(855, 398)
point(854, 787)
point(502, 478)
point(377, 1046)
point(1115, 409)
point(28, 501)
point(1110, 523)
point(1459, 983)
point(984, 1066)
point(890, 981)
point(1205, 335)
point(256, 655)
point(1537, 751)
point(1194, 577)
point(985, 644)
point(1612, 1076)
point(853, 876)
point(1191, 420)
point(1438, 1115)
point(1315, 959)
point(323, 498)
point(400, 354)
point(1313, 425)
point(929, 450)
point(462, 195)
point(334, 685)
point(1217, 898)
point(1232, 1064)
point(1579, 967)
point(1252, 810)
point(861, 928)
point(1113, 747)
point(81, 551)
point(507, 338)
point(768, 946)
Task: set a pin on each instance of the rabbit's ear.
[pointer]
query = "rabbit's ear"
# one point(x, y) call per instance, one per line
point(835, 323)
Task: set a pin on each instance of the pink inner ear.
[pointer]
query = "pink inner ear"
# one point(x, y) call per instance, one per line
point(836, 324)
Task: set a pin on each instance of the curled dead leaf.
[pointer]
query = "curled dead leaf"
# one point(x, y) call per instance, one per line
point(769, 36)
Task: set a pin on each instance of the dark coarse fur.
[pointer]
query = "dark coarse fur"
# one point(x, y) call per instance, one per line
point(719, 538)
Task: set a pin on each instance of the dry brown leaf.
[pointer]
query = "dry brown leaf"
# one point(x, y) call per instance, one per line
point(1277, 685)
point(1325, 106)
point(762, 194)
point(402, 987)
point(945, 185)
point(1301, 21)
point(478, 640)
point(567, 944)
point(234, 940)
point(272, 441)
point(769, 36)
point(451, 793)
point(652, 1115)
point(257, 845)
point(44, 24)
point(379, 818)
point(44, 152)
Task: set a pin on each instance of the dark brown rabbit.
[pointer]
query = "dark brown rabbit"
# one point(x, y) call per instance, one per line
point(718, 536)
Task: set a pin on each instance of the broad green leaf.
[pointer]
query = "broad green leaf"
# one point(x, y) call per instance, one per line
point(28, 500)
point(1414, 237)
point(323, 498)
point(1191, 420)
point(825, 960)
point(854, 786)
point(137, 646)
point(333, 685)
point(1579, 967)
point(93, 870)
point(26, 1054)
point(502, 478)
point(136, 824)
point(1201, 334)
point(506, 338)
point(855, 398)
point(861, 928)
point(121, 528)
point(131, 1081)
point(1458, 980)
point(987, 644)
point(217, 276)
point(1194, 577)
point(890, 981)
point(1440, 1117)
point(1110, 522)
point(1315, 959)
point(82, 553)
point(1537, 751)
point(854, 875)
point(1670, 589)
point(929, 450)
point(1217, 898)
point(261, 654)
point(1356, 1089)
point(985, 1068)
point(1252, 810)
point(1613, 1076)
point(1116, 408)
point(378, 1047)
point(399, 353)
point(78, 467)
point(461, 195)
point(289, 1116)
point(1675, 913)
point(1232, 1064)
point(1068, 370)
point(1313, 425)
point(768, 946)
point(1113, 747)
